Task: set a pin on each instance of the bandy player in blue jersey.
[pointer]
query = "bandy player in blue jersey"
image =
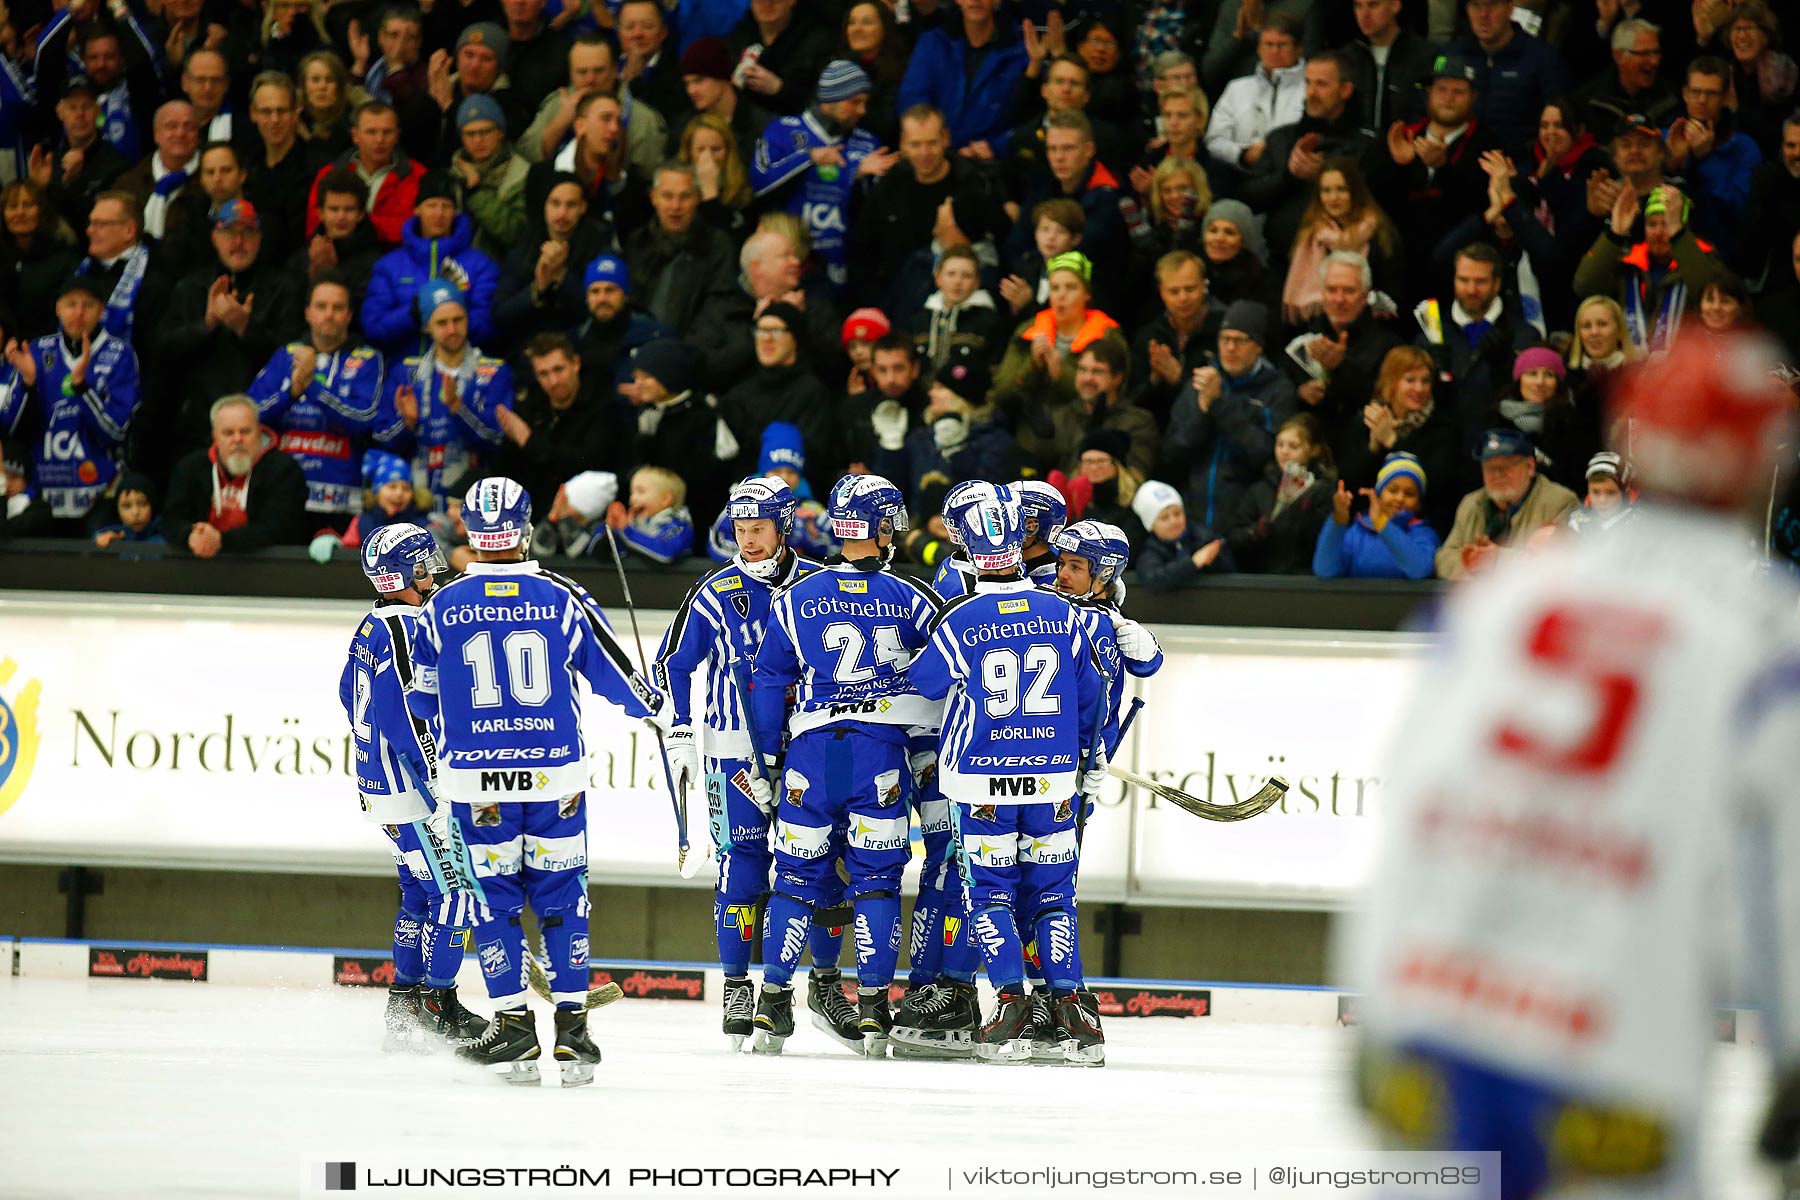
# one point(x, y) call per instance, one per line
point(720, 621)
point(498, 653)
point(1017, 742)
point(396, 758)
point(1092, 556)
point(842, 637)
point(941, 1011)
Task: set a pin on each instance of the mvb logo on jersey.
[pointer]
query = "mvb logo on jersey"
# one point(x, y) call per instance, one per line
point(1018, 785)
point(18, 733)
point(513, 781)
point(496, 587)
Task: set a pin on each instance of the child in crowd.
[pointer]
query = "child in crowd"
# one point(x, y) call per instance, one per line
point(783, 456)
point(862, 329)
point(1390, 541)
point(137, 520)
point(389, 497)
point(1609, 498)
point(1177, 552)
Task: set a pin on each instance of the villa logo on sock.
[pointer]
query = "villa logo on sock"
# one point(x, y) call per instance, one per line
point(1062, 939)
point(793, 942)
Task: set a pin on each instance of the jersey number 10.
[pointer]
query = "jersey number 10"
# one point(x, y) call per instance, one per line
point(527, 668)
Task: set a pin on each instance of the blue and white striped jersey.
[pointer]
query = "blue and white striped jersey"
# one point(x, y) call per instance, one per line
point(844, 634)
point(1023, 688)
point(498, 652)
point(1098, 617)
point(956, 576)
point(722, 618)
point(395, 750)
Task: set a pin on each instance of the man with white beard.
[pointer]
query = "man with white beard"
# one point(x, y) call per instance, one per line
point(239, 494)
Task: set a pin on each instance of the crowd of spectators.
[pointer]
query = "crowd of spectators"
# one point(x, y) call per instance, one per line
point(1322, 287)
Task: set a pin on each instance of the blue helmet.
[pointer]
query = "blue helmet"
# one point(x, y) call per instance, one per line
point(1044, 508)
point(1106, 547)
point(970, 491)
point(763, 498)
point(497, 512)
point(859, 505)
point(396, 556)
point(993, 531)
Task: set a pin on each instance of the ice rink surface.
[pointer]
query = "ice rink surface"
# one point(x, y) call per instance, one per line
point(118, 1088)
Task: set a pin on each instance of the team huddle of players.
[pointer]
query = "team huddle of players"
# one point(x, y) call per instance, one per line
point(841, 701)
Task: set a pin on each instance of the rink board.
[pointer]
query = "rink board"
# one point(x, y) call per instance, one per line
point(201, 732)
point(179, 964)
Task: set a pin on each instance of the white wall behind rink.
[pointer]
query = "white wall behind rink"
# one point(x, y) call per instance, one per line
point(202, 732)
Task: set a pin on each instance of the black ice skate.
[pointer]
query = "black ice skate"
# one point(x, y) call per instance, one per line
point(509, 1048)
point(938, 1020)
point(832, 1012)
point(1006, 1038)
point(774, 1018)
point(442, 1015)
point(575, 1051)
point(740, 1011)
point(875, 1018)
point(402, 1019)
point(1046, 1042)
point(1078, 1025)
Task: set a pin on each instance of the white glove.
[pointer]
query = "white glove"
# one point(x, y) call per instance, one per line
point(1135, 642)
point(889, 419)
point(1092, 778)
point(949, 433)
point(320, 548)
point(684, 756)
point(761, 794)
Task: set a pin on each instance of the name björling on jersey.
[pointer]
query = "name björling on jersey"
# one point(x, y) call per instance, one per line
point(830, 606)
point(469, 614)
point(1014, 733)
point(1007, 630)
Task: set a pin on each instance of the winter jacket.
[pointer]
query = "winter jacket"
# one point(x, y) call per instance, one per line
point(1214, 456)
point(496, 205)
point(519, 313)
point(662, 537)
point(390, 206)
point(1165, 566)
point(688, 435)
point(1512, 85)
point(1019, 383)
point(1437, 444)
point(791, 394)
point(1270, 543)
point(196, 365)
point(274, 500)
point(988, 452)
point(1352, 385)
point(606, 349)
point(30, 279)
point(1411, 59)
point(646, 132)
point(858, 441)
point(592, 434)
point(1053, 433)
point(891, 244)
point(1268, 188)
point(356, 259)
point(1473, 362)
point(326, 428)
point(390, 313)
point(1402, 550)
point(796, 55)
point(1566, 439)
point(1544, 503)
point(1653, 302)
point(1252, 105)
point(727, 346)
point(974, 330)
point(1103, 238)
point(1719, 186)
point(683, 281)
point(978, 108)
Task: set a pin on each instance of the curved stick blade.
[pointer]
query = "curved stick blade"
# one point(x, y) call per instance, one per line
point(1266, 798)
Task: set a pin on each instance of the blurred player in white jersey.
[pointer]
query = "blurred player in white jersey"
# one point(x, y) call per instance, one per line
point(1600, 729)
